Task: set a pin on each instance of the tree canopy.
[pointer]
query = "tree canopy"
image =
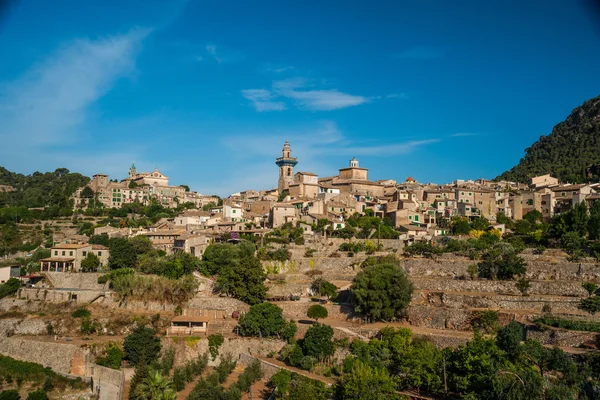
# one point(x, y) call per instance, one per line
point(381, 291)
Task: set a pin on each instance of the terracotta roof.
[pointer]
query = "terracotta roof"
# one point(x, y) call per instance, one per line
point(307, 173)
point(190, 318)
point(69, 246)
point(99, 247)
point(568, 188)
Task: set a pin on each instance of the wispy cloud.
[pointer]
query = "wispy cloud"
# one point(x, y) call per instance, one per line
point(316, 145)
point(278, 69)
point(54, 97)
point(262, 100)
point(51, 107)
point(302, 93)
point(420, 53)
point(222, 54)
point(464, 134)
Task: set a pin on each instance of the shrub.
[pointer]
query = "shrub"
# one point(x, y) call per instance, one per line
point(113, 357)
point(317, 312)
point(142, 345)
point(589, 287)
point(214, 342)
point(590, 304)
point(381, 291)
point(486, 321)
point(318, 342)
point(38, 395)
point(523, 285)
point(81, 313)
point(10, 287)
point(263, 320)
point(10, 395)
point(225, 368)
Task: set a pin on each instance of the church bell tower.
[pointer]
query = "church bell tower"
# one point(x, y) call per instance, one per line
point(286, 164)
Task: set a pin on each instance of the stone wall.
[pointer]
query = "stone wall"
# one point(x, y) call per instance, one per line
point(60, 296)
point(561, 337)
point(187, 349)
point(107, 383)
point(553, 288)
point(64, 358)
point(297, 309)
point(75, 280)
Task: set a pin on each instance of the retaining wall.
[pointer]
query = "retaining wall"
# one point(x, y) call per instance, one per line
point(75, 280)
point(107, 383)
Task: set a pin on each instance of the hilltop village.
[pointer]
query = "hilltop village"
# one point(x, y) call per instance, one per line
point(335, 287)
point(417, 211)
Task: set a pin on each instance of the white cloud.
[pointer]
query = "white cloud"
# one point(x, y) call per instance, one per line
point(261, 100)
point(298, 90)
point(48, 102)
point(278, 69)
point(463, 134)
point(222, 54)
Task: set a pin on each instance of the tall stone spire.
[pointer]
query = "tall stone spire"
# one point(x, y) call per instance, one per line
point(286, 164)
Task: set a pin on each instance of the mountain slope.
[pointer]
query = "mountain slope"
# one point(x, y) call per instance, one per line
point(571, 152)
point(40, 189)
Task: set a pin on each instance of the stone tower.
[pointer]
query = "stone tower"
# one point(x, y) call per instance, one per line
point(132, 171)
point(286, 164)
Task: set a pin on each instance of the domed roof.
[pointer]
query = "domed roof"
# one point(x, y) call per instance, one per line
point(410, 179)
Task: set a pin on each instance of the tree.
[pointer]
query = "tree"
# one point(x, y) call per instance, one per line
point(10, 287)
point(10, 395)
point(589, 287)
point(316, 312)
point(509, 338)
point(122, 253)
point(244, 280)
point(90, 263)
point(594, 221)
point(502, 262)
point(480, 224)
point(38, 394)
point(141, 244)
point(112, 359)
point(590, 304)
point(318, 342)
point(263, 320)
point(186, 187)
point(156, 387)
point(87, 193)
point(461, 226)
point(323, 288)
point(381, 291)
point(141, 346)
point(523, 285)
point(368, 383)
point(102, 239)
point(534, 217)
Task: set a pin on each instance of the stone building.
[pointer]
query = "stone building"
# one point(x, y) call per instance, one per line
point(68, 257)
point(286, 164)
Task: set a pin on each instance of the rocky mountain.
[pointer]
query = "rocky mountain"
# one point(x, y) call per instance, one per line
point(571, 152)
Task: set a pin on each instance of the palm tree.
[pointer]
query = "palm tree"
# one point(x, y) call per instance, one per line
point(156, 387)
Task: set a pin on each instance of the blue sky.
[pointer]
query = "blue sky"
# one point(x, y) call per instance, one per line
point(208, 91)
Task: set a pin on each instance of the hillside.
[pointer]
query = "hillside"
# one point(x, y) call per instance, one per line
point(40, 189)
point(571, 152)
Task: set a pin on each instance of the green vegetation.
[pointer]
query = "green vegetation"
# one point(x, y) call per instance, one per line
point(142, 346)
point(214, 342)
point(570, 152)
point(564, 323)
point(381, 291)
point(239, 273)
point(90, 263)
point(291, 386)
point(128, 285)
point(81, 312)
point(323, 288)
point(266, 320)
point(10, 287)
point(189, 372)
point(316, 312)
point(36, 374)
point(113, 357)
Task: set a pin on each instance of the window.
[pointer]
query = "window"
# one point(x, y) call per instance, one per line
point(84, 253)
point(470, 194)
point(410, 217)
point(530, 202)
point(416, 217)
point(70, 253)
point(563, 194)
point(63, 253)
point(233, 211)
point(55, 252)
point(462, 192)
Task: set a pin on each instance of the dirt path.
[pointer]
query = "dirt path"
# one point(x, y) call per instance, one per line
point(324, 379)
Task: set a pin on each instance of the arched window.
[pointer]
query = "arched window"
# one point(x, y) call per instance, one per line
point(289, 171)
